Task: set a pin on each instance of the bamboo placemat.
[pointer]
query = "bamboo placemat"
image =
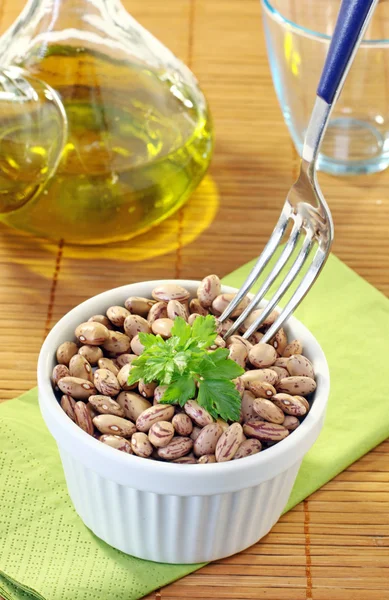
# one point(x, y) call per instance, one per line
point(334, 546)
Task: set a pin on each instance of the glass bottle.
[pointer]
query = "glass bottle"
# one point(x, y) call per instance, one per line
point(139, 134)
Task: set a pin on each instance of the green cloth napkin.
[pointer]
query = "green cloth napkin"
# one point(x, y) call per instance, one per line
point(45, 550)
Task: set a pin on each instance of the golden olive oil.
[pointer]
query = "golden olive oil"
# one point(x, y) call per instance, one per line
point(139, 141)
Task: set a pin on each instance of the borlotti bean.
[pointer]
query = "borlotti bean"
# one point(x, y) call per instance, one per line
point(91, 353)
point(59, 372)
point(65, 352)
point(115, 441)
point(91, 373)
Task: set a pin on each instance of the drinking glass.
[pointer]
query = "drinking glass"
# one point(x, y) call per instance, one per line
point(298, 34)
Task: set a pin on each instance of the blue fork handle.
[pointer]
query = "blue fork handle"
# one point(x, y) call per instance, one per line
point(353, 18)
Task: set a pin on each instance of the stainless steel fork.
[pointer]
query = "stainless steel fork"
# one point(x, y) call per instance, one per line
point(305, 206)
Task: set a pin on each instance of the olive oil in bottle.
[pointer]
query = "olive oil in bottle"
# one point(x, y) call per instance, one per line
point(138, 142)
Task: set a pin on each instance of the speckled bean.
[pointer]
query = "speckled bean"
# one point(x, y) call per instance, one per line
point(265, 432)
point(280, 341)
point(158, 412)
point(237, 339)
point(140, 444)
point(206, 459)
point(91, 353)
point(179, 446)
point(192, 318)
point(158, 311)
point(92, 333)
point(79, 367)
point(105, 405)
point(223, 328)
point(195, 433)
point(176, 309)
point(229, 442)
point(294, 347)
point(125, 359)
point(281, 362)
point(247, 448)
point(134, 324)
point(239, 384)
point(262, 389)
point(269, 320)
point(159, 392)
point(208, 290)
point(117, 315)
point(304, 401)
point(255, 337)
point(223, 424)
point(196, 308)
point(136, 346)
point(207, 439)
point(299, 365)
point(101, 319)
point(291, 423)
point(137, 305)
point(122, 378)
point(77, 388)
point(246, 409)
point(297, 385)
point(197, 413)
point(106, 382)
point(259, 375)
point(65, 352)
point(147, 389)
point(116, 441)
point(58, 373)
point(291, 405)
point(132, 404)
point(162, 327)
point(221, 302)
point(115, 425)
point(161, 434)
point(108, 363)
point(281, 372)
point(266, 409)
point(170, 291)
point(262, 356)
point(68, 404)
point(189, 459)
point(117, 343)
point(83, 418)
point(182, 424)
point(238, 353)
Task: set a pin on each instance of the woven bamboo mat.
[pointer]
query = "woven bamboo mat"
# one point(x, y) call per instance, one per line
point(334, 546)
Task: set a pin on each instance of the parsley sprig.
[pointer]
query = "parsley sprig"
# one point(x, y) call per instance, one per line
point(183, 363)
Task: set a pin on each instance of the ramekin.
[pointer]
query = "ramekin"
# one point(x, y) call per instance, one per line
point(168, 512)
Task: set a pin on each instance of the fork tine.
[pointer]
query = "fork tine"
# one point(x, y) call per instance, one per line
point(295, 269)
point(283, 259)
point(302, 289)
point(262, 261)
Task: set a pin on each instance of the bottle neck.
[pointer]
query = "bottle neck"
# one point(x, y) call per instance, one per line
point(61, 14)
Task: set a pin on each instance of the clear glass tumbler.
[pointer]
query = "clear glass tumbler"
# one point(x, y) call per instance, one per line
point(298, 33)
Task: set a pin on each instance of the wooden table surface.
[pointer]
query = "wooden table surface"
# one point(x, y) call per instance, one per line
point(334, 546)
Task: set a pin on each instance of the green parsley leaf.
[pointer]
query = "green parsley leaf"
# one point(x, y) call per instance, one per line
point(180, 391)
point(220, 398)
point(204, 331)
point(220, 367)
point(181, 330)
point(148, 340)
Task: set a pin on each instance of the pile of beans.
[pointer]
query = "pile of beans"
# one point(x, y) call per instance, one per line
point(92, 373)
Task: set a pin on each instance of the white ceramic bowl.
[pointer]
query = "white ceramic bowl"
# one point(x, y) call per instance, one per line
point(168, 512)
